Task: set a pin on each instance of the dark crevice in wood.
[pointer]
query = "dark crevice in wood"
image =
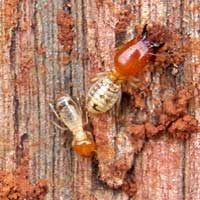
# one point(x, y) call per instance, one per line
point(53, 167)
point(167, 11)
point(119, 38)
point(96, 182)
point(116, 192)
point(68, 77)
point(182, 75)
point(54, 153)
point(21, 148)
point(124, 108)
point(35, 55)
point(66, 7)
point(74, 47)
point(15, 92)
point(84, 43)
point(125, 102)
point(181, 16)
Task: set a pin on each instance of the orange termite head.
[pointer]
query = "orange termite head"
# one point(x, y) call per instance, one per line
point(84, 147)
point(133, 56)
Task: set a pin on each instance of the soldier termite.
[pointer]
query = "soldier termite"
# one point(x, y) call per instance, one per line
point(129, 60)
point(69, 113)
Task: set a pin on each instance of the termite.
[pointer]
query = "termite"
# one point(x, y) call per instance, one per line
point(70, 114)
point(129, 60)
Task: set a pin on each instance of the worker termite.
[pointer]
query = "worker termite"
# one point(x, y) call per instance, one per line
point(129, 60)
point(69, 113)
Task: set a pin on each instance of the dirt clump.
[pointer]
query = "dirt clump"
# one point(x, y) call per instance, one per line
point(11, 16)
point(125, 16)
point(173, 118)
point(182, 127)
point(15, 185)
point(129, 187)
point(66, 33)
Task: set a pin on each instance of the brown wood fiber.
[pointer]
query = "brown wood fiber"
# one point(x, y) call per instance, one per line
point(36, 68)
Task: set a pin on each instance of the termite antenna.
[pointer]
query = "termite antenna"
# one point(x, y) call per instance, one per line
point(144, 32)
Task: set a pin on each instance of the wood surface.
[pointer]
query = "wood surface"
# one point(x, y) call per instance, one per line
point(31, 76)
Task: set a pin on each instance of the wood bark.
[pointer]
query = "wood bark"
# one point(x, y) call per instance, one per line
point(32, 76)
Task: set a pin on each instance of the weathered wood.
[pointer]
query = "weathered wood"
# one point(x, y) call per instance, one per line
point(31, 76)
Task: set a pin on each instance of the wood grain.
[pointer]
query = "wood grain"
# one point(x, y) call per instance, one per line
point(164, 170)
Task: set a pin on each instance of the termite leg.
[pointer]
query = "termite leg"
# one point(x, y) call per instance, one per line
point(134, 82)
point(54, 111)
point(118, 105)
point(97, 76)
point(58, 126)
point(57, 116)
point(86, 118)
point(134, 79)
point(77, 103)
point(134, 85)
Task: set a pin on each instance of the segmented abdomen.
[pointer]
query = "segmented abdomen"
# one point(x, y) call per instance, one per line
point(69, 113)
point(102, 95)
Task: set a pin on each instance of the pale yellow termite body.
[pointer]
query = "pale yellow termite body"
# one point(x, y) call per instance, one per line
point(104, 93)
point(69, 113)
